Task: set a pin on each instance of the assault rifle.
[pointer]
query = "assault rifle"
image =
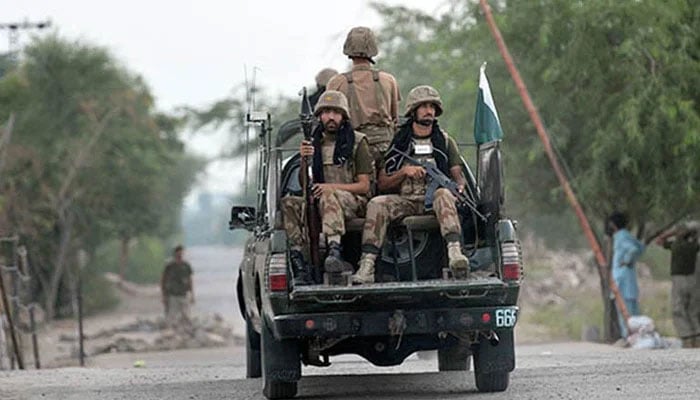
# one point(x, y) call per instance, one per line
point(313, 221)
point(438, 179)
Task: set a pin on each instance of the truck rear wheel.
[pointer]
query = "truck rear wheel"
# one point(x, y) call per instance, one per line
point(281, 365)
point(252, 351)
point(453, 359)
point(493, 363)
point(492, 382)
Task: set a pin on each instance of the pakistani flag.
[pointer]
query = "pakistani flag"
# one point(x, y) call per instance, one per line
point(487, 126)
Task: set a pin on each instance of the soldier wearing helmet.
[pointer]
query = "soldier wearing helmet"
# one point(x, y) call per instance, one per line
point(322, 78)
point(373, 95)
point(342, 166)
point(421, 137)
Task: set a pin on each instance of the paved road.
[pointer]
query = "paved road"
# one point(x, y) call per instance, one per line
point(550, 371)
point(215, 274)
point(546, 371)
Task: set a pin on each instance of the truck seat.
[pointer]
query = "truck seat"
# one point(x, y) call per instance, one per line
point(413, 223)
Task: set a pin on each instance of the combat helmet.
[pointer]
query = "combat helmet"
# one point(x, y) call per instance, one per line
point(423, 94)
point(324, 76)
point(361, 43)
point(333, 99)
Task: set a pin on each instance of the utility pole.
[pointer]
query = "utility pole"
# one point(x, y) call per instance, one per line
point(14, 29)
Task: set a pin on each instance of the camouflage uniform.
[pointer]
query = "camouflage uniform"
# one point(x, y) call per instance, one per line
point(175, 286)
point(373, 95)
point(335, 206)
point(382, 210)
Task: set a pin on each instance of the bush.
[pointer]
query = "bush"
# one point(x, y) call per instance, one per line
point(98, 293)
point(147, 256)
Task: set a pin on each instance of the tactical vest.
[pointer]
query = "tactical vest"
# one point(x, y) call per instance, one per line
point(344, 173)
point(421, 149)
point(376, 131)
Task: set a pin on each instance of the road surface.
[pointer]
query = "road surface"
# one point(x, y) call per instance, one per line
point(544, 371)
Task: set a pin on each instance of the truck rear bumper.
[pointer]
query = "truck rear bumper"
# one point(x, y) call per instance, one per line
point(407, 322)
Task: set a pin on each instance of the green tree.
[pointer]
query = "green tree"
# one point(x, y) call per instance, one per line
point(91, 159)
point(615, 82)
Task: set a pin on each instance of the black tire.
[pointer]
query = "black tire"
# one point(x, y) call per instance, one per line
point(493, 362)
point(429, 254)
point(453, 359)
point(492, 382)
point(252, 351)
point(280, 390)
point(281, 365)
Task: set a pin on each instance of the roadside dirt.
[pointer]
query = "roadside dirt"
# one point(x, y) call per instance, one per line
point(134, 328)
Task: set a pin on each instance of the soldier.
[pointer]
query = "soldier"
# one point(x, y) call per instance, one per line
point(322, 79)
point(422, 138)
point(341, 167)
point(373, 95)
point(684, 250)
point(176, 284)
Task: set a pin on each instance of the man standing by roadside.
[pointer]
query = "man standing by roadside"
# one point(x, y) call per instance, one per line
point(175, 285)
point(684, 249)
point(373, 95)
point(626, 251)
point(422, 138)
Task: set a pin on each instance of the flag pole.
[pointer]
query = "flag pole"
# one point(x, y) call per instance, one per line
point(602, 262)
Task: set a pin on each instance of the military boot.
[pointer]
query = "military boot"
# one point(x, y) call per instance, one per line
point(334, 261)
point(337, 271)
point(365, 274)
point(300, 269)
point(458, 262)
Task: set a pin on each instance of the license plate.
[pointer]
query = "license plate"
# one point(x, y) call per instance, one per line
point(506, 317)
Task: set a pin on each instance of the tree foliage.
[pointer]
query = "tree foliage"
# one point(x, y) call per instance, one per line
point(616, 82)
point(90, 160)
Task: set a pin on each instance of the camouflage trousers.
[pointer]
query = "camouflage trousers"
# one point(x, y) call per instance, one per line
point(177, 314)
point(334, 208)
point(685, 314)
point(382, 210)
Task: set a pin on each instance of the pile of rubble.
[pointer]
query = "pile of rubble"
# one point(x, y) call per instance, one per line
point(145, 335)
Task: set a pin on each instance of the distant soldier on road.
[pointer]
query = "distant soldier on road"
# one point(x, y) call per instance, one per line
point(176, 285)
point(373, 95)
point(422, 138)
point(341, 168)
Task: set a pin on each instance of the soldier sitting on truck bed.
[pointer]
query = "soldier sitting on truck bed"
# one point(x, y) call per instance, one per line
point(342, 163)
point(421, 138)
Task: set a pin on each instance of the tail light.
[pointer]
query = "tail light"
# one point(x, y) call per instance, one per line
point(277, 273)
point(511, 261)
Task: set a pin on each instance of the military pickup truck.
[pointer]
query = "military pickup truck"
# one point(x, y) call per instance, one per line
point(415, 304)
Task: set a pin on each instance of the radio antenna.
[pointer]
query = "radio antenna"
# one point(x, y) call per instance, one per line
point(247, 128)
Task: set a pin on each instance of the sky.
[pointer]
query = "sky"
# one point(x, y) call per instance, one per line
point(196, 52)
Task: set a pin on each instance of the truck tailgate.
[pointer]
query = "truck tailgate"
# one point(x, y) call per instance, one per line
point(389, 295)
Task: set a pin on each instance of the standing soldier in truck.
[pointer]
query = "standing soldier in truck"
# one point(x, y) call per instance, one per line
point(373, 95)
